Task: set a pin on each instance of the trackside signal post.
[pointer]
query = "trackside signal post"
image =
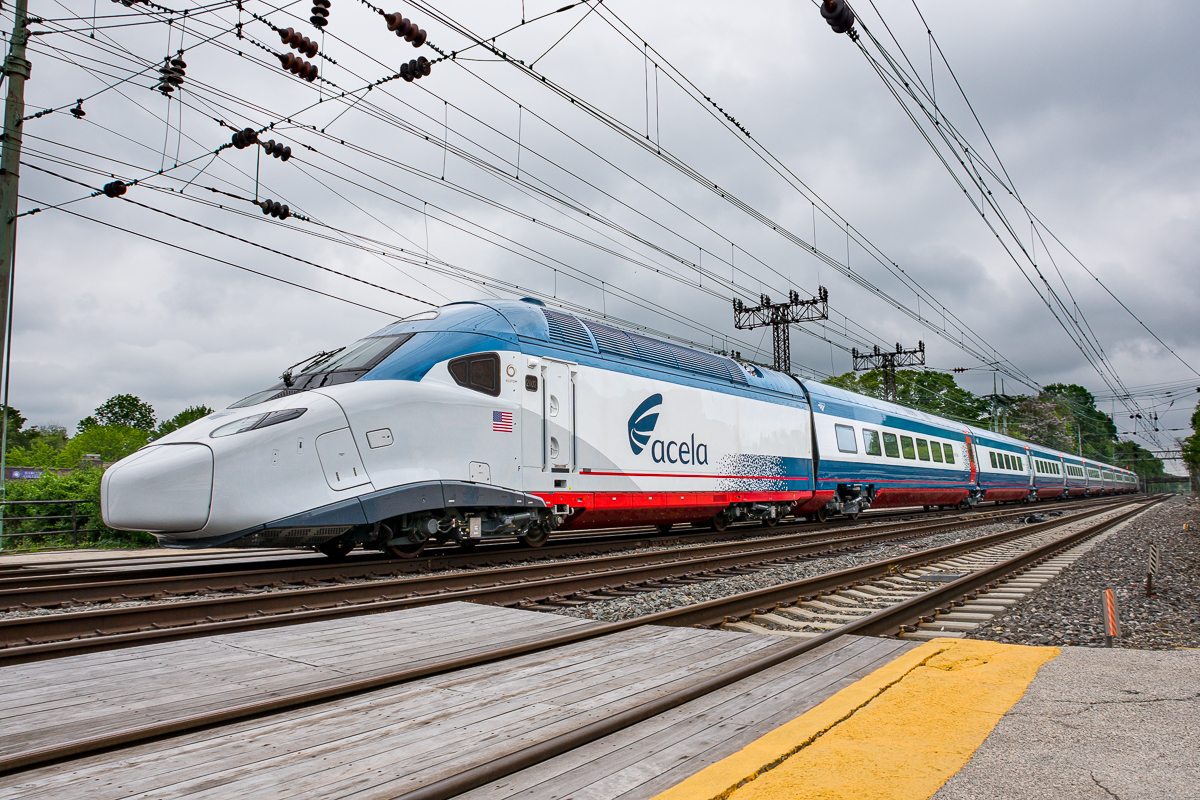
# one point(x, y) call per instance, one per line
point(779, 316)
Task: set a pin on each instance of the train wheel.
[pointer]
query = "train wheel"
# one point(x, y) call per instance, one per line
point(821, 514)
point(964, 505)
point(535, 537)
point(336, 548)
point(770, 522)
point(664, 529)
point(468, 544)
point(928, 508)
point(719, 523)
point(853, 516)
point(406, 550)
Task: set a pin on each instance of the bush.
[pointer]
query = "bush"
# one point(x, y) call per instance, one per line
point(82, 484)
point(110, 442)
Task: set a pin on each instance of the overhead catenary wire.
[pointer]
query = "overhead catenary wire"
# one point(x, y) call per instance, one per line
point(902, 83)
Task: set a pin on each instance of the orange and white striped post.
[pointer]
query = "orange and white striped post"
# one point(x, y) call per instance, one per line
point(1109, 612)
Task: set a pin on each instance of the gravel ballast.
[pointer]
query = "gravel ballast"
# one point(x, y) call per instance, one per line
point(663, 599)
point(1066, 611)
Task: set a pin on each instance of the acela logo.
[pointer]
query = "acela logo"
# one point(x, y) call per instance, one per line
point(641, 424)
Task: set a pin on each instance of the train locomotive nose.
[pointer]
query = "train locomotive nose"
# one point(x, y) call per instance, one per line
point(163, 488)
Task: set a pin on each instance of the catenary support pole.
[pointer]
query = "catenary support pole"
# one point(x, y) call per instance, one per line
point(16, 70)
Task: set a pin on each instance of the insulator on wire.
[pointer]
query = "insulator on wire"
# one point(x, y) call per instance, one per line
point(275, 209)
point(78, 111)
point(244, 138)
point(114, 189)
point(298, 66)
point(293, 39)
point(278, 149)
point(405, 28)
point(170, 75)
point(320, 13)
point(417, 68)
point(838, 15)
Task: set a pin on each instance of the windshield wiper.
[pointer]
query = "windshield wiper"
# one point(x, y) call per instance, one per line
point(311, 361)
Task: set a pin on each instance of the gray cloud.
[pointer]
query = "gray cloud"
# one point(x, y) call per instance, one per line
point(1094, 113)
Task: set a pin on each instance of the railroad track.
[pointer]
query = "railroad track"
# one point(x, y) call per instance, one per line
point(178, 564)
point(50, 588)
point(538, 586)
point(1026, 549)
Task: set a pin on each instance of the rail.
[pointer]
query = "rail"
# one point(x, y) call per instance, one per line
point(75, 517)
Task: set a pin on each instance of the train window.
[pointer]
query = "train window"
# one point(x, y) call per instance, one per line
point(480, 372)
point(871, 443)
point(363, 354)
point(1007, 461)
point(906, 446)
point(935, 450)
point(889, 445)
point(845, 438)
point(993, 457)
point(922, 449)
point(1020, 463)
point(949, 451)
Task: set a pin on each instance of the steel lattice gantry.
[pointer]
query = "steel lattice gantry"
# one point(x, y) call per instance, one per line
point(780, 316)
point(888, 362)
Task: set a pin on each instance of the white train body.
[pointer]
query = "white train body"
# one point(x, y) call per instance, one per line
point(536, 432)
point(508, 418)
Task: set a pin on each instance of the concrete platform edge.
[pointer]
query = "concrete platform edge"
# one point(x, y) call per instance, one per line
point(759, 769)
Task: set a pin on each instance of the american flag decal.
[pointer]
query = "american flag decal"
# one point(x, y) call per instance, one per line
point(502, 422)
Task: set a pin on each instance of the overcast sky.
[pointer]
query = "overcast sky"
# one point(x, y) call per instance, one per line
point(1091, 105)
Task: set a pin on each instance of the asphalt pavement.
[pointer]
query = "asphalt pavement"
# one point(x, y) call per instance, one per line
point(1095, 723)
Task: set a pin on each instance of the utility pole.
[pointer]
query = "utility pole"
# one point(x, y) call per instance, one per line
point(16, 69)
point(888, 363)
point(780, 317)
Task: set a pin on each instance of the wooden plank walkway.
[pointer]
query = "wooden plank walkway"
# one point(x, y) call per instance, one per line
point(47, 702)
point(385, 743)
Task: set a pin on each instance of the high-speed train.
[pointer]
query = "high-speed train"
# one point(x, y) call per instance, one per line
point(510, 418)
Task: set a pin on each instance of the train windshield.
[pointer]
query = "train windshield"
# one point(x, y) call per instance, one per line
point(363, 354)
point(344, 365)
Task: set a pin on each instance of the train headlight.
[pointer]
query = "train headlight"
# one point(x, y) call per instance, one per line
point(257, 421)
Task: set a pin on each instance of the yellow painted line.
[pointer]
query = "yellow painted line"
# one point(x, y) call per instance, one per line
point(897, 734)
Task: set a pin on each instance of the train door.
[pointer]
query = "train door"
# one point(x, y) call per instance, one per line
point(971, 457)
point(558, 387)
point(1029, 470)
point(549, 409)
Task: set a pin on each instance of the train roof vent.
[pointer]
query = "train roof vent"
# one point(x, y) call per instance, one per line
point(708, 364)
point(612, 340)
point(653, 350)
point(566, 329)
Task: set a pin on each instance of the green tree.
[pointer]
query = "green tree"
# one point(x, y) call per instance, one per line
point(185, 417)
point(1087, 423)
point(122, 410)
point(1191, 450)
point(929, 391)
point(1041, 420)
point(1132, 456)
point(110, 442)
